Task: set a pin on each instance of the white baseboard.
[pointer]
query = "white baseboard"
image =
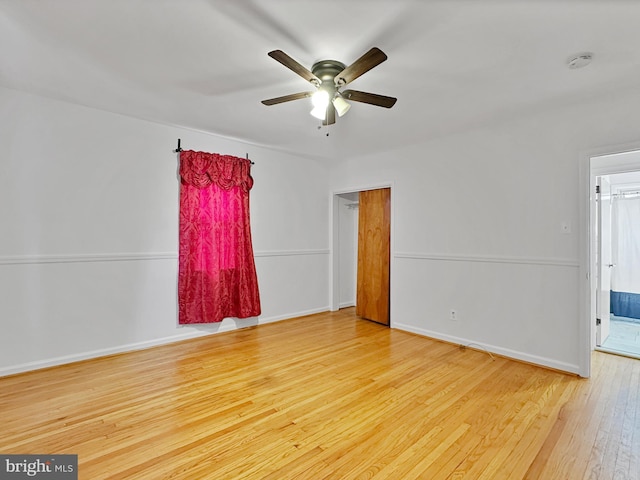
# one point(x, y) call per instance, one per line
point(505, 352)
point(131, 347)
point(52, 362)
point(294, 315)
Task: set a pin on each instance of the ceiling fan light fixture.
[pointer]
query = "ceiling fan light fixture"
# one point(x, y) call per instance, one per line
point(320, 99)
point(319, 112)
point(341, 105)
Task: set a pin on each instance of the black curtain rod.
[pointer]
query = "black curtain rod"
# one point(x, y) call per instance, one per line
point(179, 149)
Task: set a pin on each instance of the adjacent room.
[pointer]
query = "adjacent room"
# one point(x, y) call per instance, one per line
point(319, 240)
point(616, 256)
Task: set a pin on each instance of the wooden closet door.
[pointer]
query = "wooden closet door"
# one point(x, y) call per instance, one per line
point(374, 234)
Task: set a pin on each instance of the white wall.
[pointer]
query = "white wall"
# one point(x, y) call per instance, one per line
point(88, 235)
point(88, 242)
point(478, 222)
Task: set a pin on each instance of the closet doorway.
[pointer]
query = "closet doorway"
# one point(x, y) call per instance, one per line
point(361, 253)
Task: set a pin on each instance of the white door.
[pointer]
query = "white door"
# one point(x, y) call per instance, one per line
point(603, 261)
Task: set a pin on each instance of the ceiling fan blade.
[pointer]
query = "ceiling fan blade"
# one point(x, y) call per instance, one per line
point(287, 98)
point(331, 116)
point(291, 64)
point(366, 62)
point(370, 98)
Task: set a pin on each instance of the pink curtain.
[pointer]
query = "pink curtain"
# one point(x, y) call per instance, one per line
point(216, 271)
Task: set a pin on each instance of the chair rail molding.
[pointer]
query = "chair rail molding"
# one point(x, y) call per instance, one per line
point(554, 262)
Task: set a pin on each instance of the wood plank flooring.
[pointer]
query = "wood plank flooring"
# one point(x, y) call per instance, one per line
point(327, 396)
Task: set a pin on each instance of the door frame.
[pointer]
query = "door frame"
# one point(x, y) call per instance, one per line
point(596, 162)
point(602, 255)
point(334, 251)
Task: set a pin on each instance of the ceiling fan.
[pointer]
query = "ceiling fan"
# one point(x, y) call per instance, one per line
point(329, 76)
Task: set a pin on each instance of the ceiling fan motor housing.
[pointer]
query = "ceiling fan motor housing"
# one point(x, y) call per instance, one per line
point(326, 71)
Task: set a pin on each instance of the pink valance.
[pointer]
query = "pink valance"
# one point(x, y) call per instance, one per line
point(202, 169)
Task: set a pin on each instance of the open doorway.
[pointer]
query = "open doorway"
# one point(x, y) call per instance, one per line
point(615, 253)
point(346, 228)
point(619, 263)
point(354, 237)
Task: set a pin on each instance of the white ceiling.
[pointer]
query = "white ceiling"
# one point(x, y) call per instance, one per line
point(203, 64)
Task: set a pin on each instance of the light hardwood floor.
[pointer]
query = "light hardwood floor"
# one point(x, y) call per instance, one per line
point(327, 396)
